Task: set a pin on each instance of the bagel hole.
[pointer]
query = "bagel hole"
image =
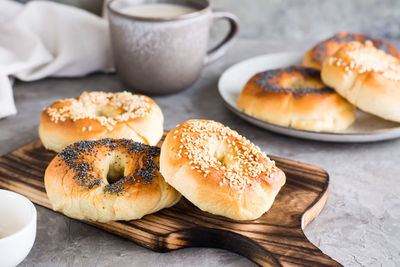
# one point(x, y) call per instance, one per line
point(300, 83)
point(115, 172)
point(220, 157)
point(106, 111)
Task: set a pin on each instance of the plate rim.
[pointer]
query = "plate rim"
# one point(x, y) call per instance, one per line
point(377, 135)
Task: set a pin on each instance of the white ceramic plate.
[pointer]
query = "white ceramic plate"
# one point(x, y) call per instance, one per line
point(366, 128)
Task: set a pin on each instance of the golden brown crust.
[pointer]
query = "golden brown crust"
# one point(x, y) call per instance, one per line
point(219, 171)
point(316, 55)
point(79, 181)
point(98, 115)
point(367, 77)
point(310, 105)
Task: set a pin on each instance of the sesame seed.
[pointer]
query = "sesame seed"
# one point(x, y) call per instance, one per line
point(125, 105)
point(365, 58)
point(242, 161)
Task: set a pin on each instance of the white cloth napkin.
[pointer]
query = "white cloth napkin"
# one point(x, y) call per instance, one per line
point(41, 39)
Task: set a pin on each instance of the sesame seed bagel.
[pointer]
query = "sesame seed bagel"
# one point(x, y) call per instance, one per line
point(108, 179)
point(316, 55)
point(97, 115)
point(295, 97)
point(219, 171)
point(367, 77)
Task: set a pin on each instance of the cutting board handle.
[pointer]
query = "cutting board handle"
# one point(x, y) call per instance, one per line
point(215, 238)
point(288, 248)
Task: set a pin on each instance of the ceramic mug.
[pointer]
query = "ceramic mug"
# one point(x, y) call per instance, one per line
point(159, 55)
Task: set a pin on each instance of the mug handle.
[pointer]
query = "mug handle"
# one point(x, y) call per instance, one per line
point(222, 47)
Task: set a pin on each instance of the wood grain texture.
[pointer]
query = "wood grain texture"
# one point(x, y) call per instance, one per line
point(275, 239)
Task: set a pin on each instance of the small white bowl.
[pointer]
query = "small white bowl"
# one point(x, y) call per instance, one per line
point(17, 228)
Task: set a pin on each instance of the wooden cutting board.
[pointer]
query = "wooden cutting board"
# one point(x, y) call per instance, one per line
point(275, 239)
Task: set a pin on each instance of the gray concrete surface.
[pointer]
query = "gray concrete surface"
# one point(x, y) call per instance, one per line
point(358, 227)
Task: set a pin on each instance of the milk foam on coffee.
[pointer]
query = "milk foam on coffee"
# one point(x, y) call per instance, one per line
point(158, 10)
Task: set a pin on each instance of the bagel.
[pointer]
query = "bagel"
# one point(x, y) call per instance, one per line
point(219, 171)
point(367, 77)
point(295, 97)
point(97, 115)
point(316, 55)
point(108, 179)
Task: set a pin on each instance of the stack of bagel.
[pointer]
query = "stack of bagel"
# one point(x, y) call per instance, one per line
point(338, 75)
point(109, 169)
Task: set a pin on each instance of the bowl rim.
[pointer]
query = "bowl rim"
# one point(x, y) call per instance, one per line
point(26, 226)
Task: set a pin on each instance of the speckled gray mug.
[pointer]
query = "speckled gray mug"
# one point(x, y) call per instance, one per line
point(162, 56)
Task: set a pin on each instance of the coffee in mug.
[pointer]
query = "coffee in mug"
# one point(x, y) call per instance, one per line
point(158, 10)
point(160, 46)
